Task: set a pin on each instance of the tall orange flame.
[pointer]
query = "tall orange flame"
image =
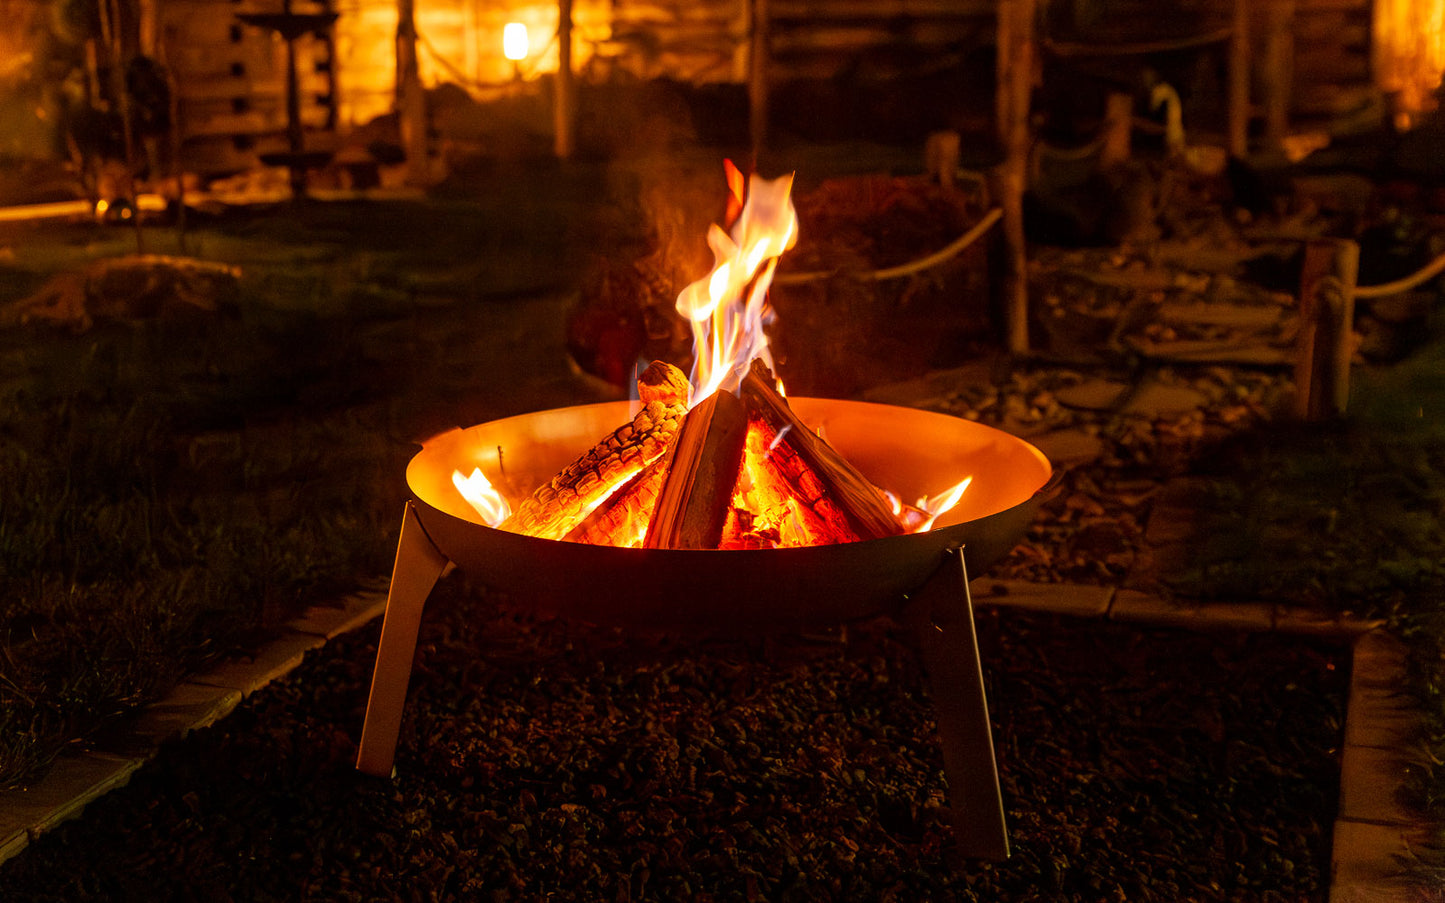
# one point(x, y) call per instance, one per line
point(728, 309)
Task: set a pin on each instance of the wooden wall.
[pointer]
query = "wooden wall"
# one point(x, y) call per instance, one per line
point(232, 80)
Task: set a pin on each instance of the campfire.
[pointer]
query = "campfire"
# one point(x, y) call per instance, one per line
point(718, 460)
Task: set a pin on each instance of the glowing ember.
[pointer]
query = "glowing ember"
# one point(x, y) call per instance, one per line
point(482, 496)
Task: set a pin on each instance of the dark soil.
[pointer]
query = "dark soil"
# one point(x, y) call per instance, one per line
point(547, 760)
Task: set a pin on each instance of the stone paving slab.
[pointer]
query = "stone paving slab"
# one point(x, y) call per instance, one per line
point(1141, 607)
point(1379, 660)
point(190, 706)
point(1380, 717)
point(330, 620)
point(1069, 446)
point(1313, 622)
point(1368, 859)
point(274, 660)
point(14, 843)
point(1078, 600)
point(1370, 781)
point(72, 783)
point(1170, 523)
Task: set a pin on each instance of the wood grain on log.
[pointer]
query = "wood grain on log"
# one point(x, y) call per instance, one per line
point(702, 470)
point(556, 507)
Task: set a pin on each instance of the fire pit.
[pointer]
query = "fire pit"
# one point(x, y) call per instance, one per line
point(693, 579)
point(748, 590)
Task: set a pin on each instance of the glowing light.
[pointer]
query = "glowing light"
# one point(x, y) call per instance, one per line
point(514, 41)
point(482, 496)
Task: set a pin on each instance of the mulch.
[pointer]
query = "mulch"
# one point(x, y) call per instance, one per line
point(543, 759)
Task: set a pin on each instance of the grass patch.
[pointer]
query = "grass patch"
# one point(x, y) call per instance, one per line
point(176, 488)
point(1349, 515)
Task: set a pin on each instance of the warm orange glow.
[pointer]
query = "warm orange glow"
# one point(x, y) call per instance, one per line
point(1409, 53)
point(482, 496)
point(514, 41)
point(728, 309)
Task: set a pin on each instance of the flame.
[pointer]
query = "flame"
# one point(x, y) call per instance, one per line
point(482, 496)
point(728, 309)
point(935, 506)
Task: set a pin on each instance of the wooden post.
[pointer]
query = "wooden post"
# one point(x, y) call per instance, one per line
point(1118, 130)
point(410, 98)
point(758, 79)
point(564, 100)
point(1239, 81)
point(1278, 76)
point(1015, 78)
point(1326, 337)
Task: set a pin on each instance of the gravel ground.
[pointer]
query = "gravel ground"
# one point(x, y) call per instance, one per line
point(542, 760)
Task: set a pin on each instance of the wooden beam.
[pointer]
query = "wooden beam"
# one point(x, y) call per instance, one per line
point(564, 100)
point(758, 77)
point(1015, 82)
point(1238, 138)
point(1277, 78)
point(1326, 336)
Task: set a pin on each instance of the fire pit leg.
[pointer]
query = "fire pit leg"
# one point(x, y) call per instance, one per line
point(418, 567)
point(942, 614)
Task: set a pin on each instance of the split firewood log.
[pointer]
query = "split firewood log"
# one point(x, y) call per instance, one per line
point(702, 470)
point(864, 506)
point(622, 519)
point(784, 472)
point(557, 506)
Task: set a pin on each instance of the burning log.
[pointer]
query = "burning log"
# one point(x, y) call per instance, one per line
point(621, 520)
point(769, 510)
point(556, 507)
point(702, 470)
point(863, 506)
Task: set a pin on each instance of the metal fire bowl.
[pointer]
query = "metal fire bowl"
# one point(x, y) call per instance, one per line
point(910, 452)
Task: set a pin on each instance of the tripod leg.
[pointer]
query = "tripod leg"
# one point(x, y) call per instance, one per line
point(419, 565)
point(942, 615)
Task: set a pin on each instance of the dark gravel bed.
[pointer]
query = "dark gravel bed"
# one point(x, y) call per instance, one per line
point(541, 760)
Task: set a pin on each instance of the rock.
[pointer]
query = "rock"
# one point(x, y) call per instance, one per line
point(1094, 395)
point(1069, 446)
